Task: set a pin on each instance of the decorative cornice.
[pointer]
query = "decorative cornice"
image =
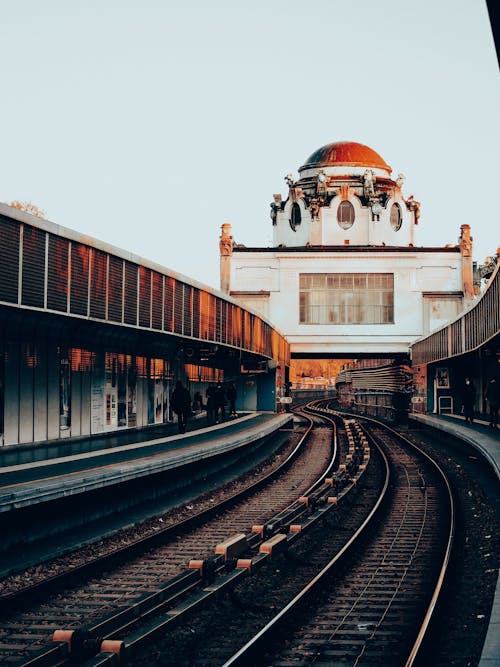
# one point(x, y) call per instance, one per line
point(348, 249)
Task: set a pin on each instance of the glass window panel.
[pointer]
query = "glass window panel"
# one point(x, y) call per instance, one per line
point(345, 214)
point(396, 217)
point(348, 298)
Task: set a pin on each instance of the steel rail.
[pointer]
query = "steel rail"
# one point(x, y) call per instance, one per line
point(27, 594)
point(254, 647)
point(124, 616)
point(449, 541)
point(136, 641)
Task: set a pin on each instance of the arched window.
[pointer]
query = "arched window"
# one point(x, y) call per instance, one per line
point(345, 214)
point(295, 217)
point(396, 217)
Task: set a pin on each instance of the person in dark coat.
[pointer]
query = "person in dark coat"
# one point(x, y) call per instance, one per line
point(231, 397)
point(492, 395)
point(220, 403)
point(181, 405)
point(197, 402)
point(210, 405)
point(468, 400)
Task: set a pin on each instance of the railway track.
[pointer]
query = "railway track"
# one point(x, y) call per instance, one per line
point(374, 590)
point(24, 635)
point(367, 597)
point(376, 608)
point(323, 511)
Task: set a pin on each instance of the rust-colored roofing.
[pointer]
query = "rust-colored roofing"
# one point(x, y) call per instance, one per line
point(348, 153)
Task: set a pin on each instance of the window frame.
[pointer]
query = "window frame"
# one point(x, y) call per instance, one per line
point(346, 298)
point(295, 216)
point(396, 226)
point(343, 207)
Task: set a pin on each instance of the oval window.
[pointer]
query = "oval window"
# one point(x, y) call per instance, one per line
point(345, 214)
point(396, 217)
point(296, 216)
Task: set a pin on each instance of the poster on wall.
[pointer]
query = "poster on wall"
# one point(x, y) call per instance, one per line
point(64, 394)
point(442, 378)
point(122, 393)
point(158, 401)
point(97, 405)
point(166, 394)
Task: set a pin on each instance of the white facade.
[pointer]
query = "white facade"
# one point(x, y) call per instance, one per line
point(344, 277)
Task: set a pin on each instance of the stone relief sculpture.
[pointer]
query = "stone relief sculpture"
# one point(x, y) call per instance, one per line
point(276, 206)
point(465, 241)
point(369, 184)
point(226, 241)
point(274, 212)
point(414, 206)
point(314, 206)
point(321, 185)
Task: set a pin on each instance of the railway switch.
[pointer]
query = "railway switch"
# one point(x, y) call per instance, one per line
point(232, 547)
point(275, 546)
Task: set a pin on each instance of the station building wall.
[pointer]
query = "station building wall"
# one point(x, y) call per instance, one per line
point(51, 392)
point(426, 292)
point(92, 337)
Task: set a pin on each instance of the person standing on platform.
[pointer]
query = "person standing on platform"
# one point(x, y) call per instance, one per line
point(210, 405)
point(181, 405)
point(492, 395)
point(197, 402)
point(231, 397)
point(468, 400)
point(220, 404)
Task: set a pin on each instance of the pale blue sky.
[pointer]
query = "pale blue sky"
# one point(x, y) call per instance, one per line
point(148, 124)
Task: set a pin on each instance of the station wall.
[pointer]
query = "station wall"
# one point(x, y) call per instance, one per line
point(51, 392)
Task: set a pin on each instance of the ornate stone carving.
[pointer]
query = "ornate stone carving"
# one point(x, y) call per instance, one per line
point(314, 206)
point(369, 184)
point(292, 193)
point(344, 192)
point(276, 205)
point(465, 241)
point(226, 241)
point(321, 185)
point(413, 205)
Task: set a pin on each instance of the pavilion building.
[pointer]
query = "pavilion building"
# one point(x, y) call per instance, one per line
point(344, 277)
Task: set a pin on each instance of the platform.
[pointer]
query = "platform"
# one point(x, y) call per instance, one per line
point(26, 484)
point(486, 441)
point(479, 435)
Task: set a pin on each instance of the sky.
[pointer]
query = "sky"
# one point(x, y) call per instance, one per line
point(148, 124)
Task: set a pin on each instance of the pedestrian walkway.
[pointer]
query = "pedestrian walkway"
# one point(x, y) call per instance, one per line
point(485, 440)
point(481, 436)
point(52, 449)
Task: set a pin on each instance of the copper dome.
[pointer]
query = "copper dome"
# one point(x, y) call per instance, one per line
point(345, 153)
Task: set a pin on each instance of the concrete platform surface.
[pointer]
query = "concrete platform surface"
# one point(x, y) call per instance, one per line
point(486, 441)
point(31, 483)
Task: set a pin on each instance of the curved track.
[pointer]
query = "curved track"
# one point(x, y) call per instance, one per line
point(26, 632)
point(214, 635)
point(348, 579)
point(374, 609)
